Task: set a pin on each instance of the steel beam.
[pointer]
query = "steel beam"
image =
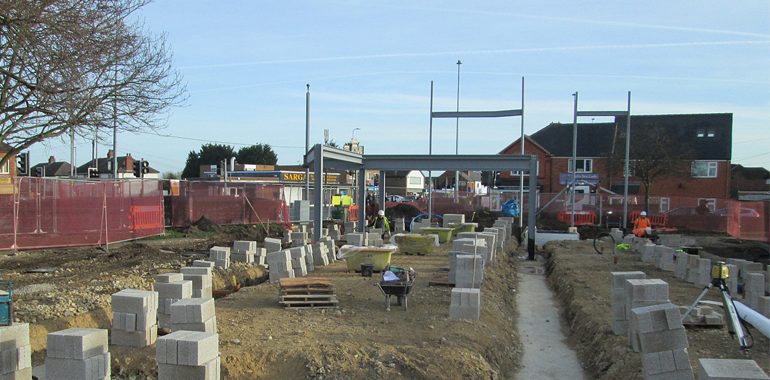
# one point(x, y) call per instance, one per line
point(446, 162)
point(474, 114)
point(602, 113)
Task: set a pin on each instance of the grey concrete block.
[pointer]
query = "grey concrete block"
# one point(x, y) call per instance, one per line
point(453, 219)
point(243, 246)
point(648, 252)
point(192, 310)
point(619, 278)
point(140, 338)
point(209, 325)
point(168, 277)
point(203, 263)
point(192, 348)
point(680, 271)
point(246, 257)
point(219, 253)
point(22, 374)
point(671, 364)
point(704, 272)
point(732, 279)
point(91, 368)
point(729, 369)
point(645, 292)
point(15, 359)
point(179, 289)
point(197, 270)
point(665, 258)
point(199, 282)
point(465, 304)
point(753, 288)
point(469, 271)
point(14, 336)
point(76, 343)
point(273, 245)
point(208, 371)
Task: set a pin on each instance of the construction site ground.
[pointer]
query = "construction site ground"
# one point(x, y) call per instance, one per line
point(259, 338)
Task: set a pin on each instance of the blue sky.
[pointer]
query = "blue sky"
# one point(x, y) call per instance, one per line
point(370, 63)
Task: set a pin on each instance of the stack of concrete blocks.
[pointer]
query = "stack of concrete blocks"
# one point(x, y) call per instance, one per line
point(671, 240)
point(194, 314)
point(298, 262)
point(730, 369)
point(664, 258)
point(324, 232)
point(273, 245)
point(450, 219)
point(374, 239)
point(702, 315)
point(753, 289)
point(617, 234)
point(331, 248)
point(374, 231)
point(469, 271)
point(629, 239)
point(202, 280)
point(452, 276)
point(309, 258)
point(416, 226)
point(399, 225)
point(220, 256)
point(501, 238)
point(680, 270)
point(280, 265)
point(244, 251)
point(203, 264)
point(356, 239)
point(474, 246)
point(77, 354)
point(642, 293)
point(465, 303)
point(619, 316)
point(299, 239)
point(15, 352)
point(490, 239)
point(662, 340)
point(134, 318)
point(171, 287)
point(732, 279)
point(506, 225)
point(188, 355)
point(320, 254)
point(693, 269)
point(649, 253)
point(704, 272)
point(746, 267)
point(350, 227)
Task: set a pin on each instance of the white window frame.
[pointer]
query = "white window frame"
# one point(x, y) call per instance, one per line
point(6, 168)
point(711, 132)
point(711, 166)
point(589, 161)
point(701, 132)
point(665, 204)
point(416, 181)
point(711, 203)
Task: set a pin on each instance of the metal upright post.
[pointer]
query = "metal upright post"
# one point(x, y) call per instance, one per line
point(307, 141)
point(318, 195)
point(457, 133)
point(521, 174)
point(573, 168)
point(625, 165)
point(430, 152)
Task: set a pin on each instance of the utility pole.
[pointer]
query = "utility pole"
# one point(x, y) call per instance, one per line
point(521, 174)
point(307, 142)
point(573, 167)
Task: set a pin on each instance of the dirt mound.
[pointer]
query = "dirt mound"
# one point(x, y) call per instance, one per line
point(206, 224)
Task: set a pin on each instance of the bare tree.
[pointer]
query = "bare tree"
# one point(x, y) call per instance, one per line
point(80, 65)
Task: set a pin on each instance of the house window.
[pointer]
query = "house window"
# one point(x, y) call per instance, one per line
point(665, 204)
point(584, 165)
point(517, 173)
point(415, 181)
point(5, 168)
point(704, 169)
point(710, 132)
point(701, 132)
point(711, 203)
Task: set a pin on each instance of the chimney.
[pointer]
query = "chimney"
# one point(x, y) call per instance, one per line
point(110, 153)
point(129, 163)
point(51, 159)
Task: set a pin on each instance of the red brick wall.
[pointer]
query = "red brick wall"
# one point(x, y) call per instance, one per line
point(542, 157)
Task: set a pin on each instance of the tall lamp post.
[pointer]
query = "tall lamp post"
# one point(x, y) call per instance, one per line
point(457, 132)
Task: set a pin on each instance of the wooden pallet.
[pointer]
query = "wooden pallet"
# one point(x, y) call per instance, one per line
point(307, 292)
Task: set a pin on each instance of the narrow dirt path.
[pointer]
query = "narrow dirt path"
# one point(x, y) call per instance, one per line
point(546, 354)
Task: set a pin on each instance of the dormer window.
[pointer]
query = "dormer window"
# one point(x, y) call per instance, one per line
point(701, 132)
point(710, 132)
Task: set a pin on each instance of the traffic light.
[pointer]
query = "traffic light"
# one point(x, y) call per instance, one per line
point(137, 168)
point(93, 173)
point(39, 171)
point(145, 167)
point(22, 166)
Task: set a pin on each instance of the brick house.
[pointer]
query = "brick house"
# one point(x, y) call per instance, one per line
point(749, 183)
point(8, 169)
point(52, 168)
point(704, 141)
point(103, 167)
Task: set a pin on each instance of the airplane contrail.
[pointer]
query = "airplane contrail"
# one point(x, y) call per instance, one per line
point(472, 52)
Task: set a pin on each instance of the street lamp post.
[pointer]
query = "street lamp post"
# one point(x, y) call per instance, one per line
point(353, 136)
point(457, 132)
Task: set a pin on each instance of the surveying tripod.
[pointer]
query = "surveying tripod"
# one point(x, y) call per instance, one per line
point(719, 273)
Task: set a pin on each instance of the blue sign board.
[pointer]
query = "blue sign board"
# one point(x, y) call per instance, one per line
point(580, 178)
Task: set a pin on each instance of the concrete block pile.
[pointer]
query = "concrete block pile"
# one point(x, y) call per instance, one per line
point(220, 256)
point(453, 219)
point(334, 232)
point(188, 355)
point(309, 257)
point(202, 280)
point(298, 261)
point(465, 304)
point(399, 226)
point(664, 258)
point(619, 316)
point(693, 269)
point(299, 238)
point(730, 369)
point(194, 314)
point(680, 270)
point(753, 289)
point(417, 226)
point(171, 287)
point(203, 263)
point(280, 265)
point(77, 354)
point(649, 253)
point(134, 318)
point(350, 227)
point(15, 352)
point(357, 239)
point(273, 245)
point(641, 293)
point(244, 251)
point(702, 315)
point(331, 248)
point(490, 238)
point(320, 254)
point(473, 246)
point(469, 271)
point(658, 333)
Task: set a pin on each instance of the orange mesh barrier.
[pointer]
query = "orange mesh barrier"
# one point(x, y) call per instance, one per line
point(581, 217)
point(47, 212)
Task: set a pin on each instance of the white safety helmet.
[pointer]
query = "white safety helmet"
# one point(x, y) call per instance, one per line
point(381, 213)
point(643, 213)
